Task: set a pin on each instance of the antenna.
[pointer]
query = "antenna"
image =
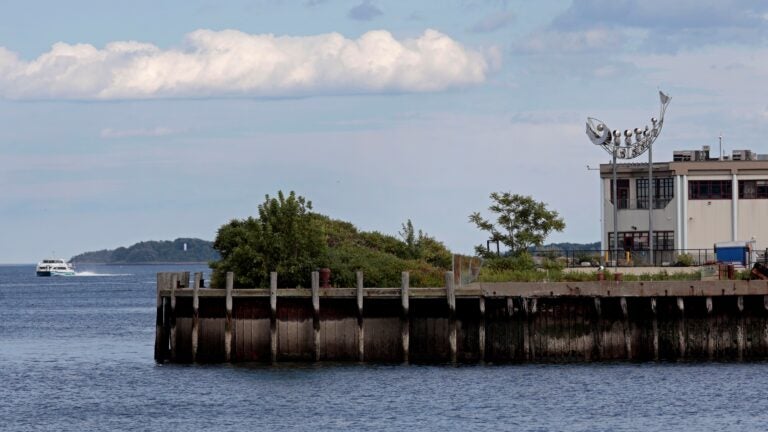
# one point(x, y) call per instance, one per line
point(720, 139)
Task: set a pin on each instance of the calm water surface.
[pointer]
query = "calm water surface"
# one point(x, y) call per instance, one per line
point(77, 354)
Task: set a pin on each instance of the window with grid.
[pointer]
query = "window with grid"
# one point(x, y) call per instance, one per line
point(709, 189)
point(622, 193)
point(663, 192)
point(638, 240)
point(753, 189)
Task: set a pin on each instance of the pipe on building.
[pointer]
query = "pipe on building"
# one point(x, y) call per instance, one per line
point(678, 213)
point(734, 207)
point(685, 212)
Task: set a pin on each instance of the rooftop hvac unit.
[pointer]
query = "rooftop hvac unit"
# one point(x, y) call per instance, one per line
point(742, 155)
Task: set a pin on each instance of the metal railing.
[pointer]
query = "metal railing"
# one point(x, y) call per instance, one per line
point(629, 258)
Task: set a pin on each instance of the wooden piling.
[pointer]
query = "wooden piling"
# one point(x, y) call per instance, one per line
point(405, 315)
point(450, 294)
point(228, 317)
point(481, 330)
point(681, 328)
point(627, 327)
point(740, 327)
point(360, 321)
point(655, 329)
point(196, 314)
point(159, 339)
point(316, 314)
point(711, 342)
point(273, 317)
point(174, 283)
point(597, 330)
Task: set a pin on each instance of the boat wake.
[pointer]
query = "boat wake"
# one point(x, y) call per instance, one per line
point(92, 274)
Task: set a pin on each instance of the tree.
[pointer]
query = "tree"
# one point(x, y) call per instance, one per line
point(521, 222)
point(421, 246)
point(286, 237)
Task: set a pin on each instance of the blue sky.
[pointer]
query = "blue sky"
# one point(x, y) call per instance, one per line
point(123, 122)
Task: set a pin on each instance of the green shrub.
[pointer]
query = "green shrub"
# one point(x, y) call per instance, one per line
point(684, 260)
point(520, 262)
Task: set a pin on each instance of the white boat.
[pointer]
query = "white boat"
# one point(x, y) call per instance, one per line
point(55, 267)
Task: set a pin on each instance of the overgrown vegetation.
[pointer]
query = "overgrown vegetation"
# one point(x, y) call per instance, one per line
point(559, 275)
point(289, 238)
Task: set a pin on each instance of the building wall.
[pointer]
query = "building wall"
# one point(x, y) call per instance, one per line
point(663, 219)
point(753, 221)
point(697, 224)
point(708, 222)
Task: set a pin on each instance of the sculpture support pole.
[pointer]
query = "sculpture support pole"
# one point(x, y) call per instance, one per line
point(615, 251)
point(650, 204)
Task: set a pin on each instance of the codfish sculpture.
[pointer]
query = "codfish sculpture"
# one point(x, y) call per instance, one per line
point(599, 133)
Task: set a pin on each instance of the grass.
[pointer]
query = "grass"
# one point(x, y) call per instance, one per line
point(557, 275)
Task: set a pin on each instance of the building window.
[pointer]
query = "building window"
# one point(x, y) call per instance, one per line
point(638, 240)
point(622, 193)
point(753, 189)
point(709, 189)
point(663, 240)
point(663, 192)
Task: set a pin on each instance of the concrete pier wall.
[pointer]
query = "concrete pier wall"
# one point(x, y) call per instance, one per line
point(495, 323)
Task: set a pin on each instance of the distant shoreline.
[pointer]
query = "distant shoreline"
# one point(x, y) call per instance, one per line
point(121, 264)
point(142, 263)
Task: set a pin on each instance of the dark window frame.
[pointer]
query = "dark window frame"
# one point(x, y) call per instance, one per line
point(663, 192)
point(753, 189)
point(710, 189)
point(662, 240)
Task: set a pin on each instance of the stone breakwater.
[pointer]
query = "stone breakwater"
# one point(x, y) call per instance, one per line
point(481, 322)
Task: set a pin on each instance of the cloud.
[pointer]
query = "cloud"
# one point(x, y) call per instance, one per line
point(664, 14)
point(493, 21)
point(231, 63)
point(365, 11)
point(129, 133)
point(664, 26)
point(577, 41)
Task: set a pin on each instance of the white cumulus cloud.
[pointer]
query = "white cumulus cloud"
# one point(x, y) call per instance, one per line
point(233, 63)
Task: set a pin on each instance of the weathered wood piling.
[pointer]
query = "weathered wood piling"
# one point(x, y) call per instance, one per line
point(482, 322)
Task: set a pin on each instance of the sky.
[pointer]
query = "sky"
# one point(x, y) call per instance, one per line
point(123, 122)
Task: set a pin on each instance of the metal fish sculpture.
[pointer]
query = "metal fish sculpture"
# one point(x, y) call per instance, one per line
point(635, 142)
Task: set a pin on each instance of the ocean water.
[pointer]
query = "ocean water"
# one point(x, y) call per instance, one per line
point(76, 354)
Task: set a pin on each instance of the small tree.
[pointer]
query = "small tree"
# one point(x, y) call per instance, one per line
point(421, 246)
point(521, 222)
point(286, 238)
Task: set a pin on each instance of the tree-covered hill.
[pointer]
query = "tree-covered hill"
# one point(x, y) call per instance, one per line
point(288, 238)
point(153, 252)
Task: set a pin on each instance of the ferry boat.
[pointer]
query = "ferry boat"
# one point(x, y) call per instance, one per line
point(55, 267)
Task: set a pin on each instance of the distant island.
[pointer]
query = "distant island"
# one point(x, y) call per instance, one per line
point(570, 247)
point(186, 250)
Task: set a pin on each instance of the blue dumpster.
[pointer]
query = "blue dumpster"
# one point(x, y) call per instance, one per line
point(735, 252)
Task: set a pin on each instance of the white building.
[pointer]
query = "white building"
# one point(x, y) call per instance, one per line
point(698, 201)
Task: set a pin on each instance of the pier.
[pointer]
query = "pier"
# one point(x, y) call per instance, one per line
point(508, 322)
